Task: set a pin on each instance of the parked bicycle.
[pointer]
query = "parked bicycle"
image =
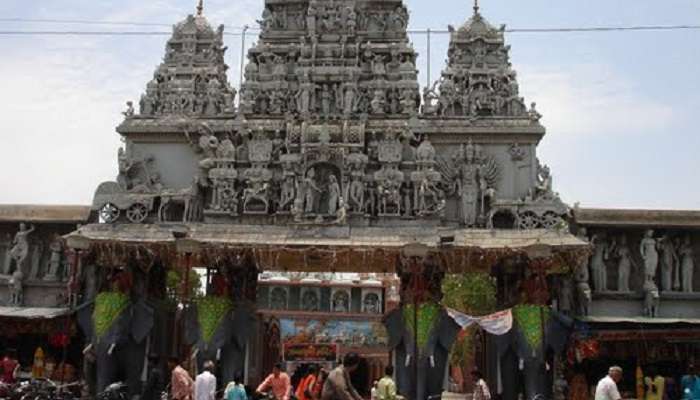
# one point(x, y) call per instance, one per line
point(115, 391)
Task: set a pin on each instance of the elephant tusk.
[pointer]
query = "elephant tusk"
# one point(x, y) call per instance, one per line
point(408, 360)
point(432, 361)
point(111, 348)
point(87, 348)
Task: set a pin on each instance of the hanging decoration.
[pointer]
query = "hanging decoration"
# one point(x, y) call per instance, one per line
point(531, 320)
point(211, 311)
point(498, 323)
point(108, 308)
point(59, 340)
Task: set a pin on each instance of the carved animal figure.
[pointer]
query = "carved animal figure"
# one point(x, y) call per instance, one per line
point(651, 300)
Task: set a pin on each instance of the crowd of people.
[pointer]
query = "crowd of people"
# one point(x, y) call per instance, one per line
point(655, 386)
point(316, 384)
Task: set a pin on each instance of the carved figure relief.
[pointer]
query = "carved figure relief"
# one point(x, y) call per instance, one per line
point(669, 264)
point(598, 268)
point(625, 262)
point(648, 248)
point(687, 257)
point(20, 247)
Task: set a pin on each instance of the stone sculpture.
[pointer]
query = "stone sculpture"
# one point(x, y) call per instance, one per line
point(651, 299)
point(648, 250)
point(625, 262)
point(16, 287)
point(598, 267)
point(20, 246)
point(687, 256)
point(582, 277)
point(56, 248)
point(668, 263)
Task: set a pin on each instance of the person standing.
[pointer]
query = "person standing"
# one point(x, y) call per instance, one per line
point(279, 382)
point(306, 385)
point(9, 366)
point(235, 390)
point(690, 384)
point(338, 385)
point(607, 387)
point(386, 388)
point(205, 384)
point(181, 384)
point(481, 389)
point(655, 385)
point(318, 385)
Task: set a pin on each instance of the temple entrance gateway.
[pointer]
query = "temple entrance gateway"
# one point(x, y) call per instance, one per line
point(327, 166)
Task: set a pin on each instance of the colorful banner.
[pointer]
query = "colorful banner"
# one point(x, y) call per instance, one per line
point(310, 352)
point(498, 323)
point(347, 333)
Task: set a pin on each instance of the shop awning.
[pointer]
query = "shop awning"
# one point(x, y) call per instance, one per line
point(33, 312)
point(343, 248)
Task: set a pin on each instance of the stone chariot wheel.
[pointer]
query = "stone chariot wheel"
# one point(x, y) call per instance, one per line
point(137, 213)
point(109, 213)
point(528, 220)
point(550, 220)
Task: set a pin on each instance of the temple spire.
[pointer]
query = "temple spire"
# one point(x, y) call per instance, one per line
point(200, 8)
point(476, 7)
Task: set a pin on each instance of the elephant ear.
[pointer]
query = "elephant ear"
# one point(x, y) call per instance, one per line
point(558, 330)
point(395, 327)
point(84, 316)
point(448, 329)
point(141, 320)
point(242, 325)
point(505, 342)
point(191, 324)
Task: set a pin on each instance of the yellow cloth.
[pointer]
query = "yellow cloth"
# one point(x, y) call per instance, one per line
point(639, 375)
point(655, 388)
point(38, 365)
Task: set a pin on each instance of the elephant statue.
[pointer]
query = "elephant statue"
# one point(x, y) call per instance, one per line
point(229, 326)
point(121, 344)
point(538, 333)
point(429, 360)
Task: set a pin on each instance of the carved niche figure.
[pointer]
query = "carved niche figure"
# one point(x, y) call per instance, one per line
point(651, 299)
point(311, 191)
point(582, 276)
point(15, 284)
point(476, 177)
point(20, 246)
point(333, 194)
point(341, 302)
point(305, 95)
point(378, 101)
point(56, 248)
point(624, 264)
point(267, 20)
point(355, 190)
point(544, 180)
point(598, 267)
point(129, 113)
point(687, 256)
point(648, 249)
point(669, 263)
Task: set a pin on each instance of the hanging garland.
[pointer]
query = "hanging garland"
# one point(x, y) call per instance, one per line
point(211, 311)
point(108, 307)
point(531, 320)
point(427, 317)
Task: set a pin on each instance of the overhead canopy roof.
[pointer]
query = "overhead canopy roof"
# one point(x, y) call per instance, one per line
point(33, 312)
point(43, 213)
point(637, 218)
point(341, 248)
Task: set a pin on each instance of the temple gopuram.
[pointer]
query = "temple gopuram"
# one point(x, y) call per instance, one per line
point(331, 159)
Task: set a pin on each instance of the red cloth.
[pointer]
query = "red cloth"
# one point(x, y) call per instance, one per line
point(306, 384)
point(281, 386)
point(8, 366)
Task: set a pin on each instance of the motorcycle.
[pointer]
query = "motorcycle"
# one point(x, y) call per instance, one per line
point(115, 391)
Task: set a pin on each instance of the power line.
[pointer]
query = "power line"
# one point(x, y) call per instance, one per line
point(412, 31)
point(91, 22)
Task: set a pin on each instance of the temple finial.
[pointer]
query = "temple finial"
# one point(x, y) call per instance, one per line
point(200, 8)
point(476, 6)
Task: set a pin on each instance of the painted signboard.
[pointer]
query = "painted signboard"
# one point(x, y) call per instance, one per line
point(310, 352)
point(344, 333)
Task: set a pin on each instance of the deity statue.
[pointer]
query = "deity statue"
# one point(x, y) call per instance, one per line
point(598, 267)
point(15, 284)
point(669, 263)
point(624, 265)
point(20, 246)
point(129, 113)
point(333, 194)
point(378, 102)
point(687, 256)
point(651, 299)
point(288, 193)
point(305, 95)
point(326, 98)
point(468, 189)
point(226, 149)
point(311, 190)
point(55, 260)
point(648, 249)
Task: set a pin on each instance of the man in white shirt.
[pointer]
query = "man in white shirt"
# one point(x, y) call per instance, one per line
point(607, 387)
point(205, 384)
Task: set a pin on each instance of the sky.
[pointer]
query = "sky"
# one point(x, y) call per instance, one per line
point(620, 107)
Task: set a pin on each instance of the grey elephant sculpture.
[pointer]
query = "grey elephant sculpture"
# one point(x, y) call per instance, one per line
point(122, 349)
point(516, 351)
point(430, 359)
point(227, 342)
